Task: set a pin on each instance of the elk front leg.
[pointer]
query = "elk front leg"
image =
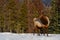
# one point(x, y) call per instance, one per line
point(47, 31)
point(43, 29)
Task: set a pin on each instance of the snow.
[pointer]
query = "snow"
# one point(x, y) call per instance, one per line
point(27, 36)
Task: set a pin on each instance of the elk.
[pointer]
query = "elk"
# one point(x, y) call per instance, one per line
point(41, 23)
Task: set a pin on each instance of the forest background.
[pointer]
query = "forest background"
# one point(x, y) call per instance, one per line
point(16, 18)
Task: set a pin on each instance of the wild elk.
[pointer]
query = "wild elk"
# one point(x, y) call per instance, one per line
point(41, 23)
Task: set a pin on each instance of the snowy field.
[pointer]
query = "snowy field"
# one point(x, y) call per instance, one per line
point(27, 36)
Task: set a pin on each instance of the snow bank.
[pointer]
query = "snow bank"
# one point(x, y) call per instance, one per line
point(27, 36)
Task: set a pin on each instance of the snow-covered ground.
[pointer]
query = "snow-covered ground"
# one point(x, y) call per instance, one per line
point(27, 36)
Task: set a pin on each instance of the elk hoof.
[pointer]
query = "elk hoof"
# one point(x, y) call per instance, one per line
point(47, 34)
point(38, 34)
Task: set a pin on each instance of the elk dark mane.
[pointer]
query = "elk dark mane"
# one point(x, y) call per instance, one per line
point(44, 20)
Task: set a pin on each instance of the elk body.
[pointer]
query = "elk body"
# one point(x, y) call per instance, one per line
point(41, 23)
